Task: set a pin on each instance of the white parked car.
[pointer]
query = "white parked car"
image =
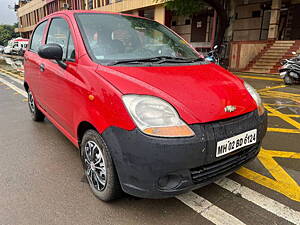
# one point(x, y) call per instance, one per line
point(16, 46)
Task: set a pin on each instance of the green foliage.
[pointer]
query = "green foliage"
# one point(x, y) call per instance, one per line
point(184, 7)
point(7, 32)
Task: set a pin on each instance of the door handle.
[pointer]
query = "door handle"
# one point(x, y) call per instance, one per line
point(42, 67)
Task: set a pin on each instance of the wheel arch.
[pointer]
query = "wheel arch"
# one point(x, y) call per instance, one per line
point(26, 86)
point(82, 128)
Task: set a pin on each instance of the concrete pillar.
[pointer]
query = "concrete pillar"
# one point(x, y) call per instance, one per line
point(160, 14)
point(232, 12)
point(86, 4)
point(274, 20)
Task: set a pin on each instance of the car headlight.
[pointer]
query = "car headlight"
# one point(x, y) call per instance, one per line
point(256, 97)
point(156, 117)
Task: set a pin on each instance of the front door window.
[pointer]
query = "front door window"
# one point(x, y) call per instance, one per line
point(59, 33)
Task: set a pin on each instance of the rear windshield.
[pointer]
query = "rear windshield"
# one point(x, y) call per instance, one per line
point(112, 37)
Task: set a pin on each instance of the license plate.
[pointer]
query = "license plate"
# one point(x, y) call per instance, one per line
point(234, 143)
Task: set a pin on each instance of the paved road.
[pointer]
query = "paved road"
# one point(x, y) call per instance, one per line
point(41, 179)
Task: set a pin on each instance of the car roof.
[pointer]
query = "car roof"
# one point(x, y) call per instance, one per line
point(72, 12)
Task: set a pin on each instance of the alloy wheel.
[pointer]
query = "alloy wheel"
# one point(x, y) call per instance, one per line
point(95, 168)
point(31, 102)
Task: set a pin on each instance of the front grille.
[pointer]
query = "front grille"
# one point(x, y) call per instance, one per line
point(225, 166)
point(230, 127)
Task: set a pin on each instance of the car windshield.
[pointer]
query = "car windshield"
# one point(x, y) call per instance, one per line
point(115, 39)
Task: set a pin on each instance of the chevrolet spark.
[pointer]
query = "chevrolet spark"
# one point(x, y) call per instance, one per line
point(151, 118)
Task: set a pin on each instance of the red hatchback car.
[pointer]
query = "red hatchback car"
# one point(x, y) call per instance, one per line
point(150, 116)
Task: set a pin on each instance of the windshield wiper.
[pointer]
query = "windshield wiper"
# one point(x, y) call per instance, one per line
point(133, 61)
point(170, 59)
point(157, 59)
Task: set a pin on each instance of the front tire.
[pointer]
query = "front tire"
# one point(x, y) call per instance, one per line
point(98, 167)
point(36, 114)
point(288, 80)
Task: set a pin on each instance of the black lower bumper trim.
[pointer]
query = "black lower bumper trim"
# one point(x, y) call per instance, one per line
point(154, 167)
point(208, 172)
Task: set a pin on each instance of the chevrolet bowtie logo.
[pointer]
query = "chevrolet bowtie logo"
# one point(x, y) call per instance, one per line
point(230, 108)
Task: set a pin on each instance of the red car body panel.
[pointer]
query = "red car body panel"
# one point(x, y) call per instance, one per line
point(199, 93)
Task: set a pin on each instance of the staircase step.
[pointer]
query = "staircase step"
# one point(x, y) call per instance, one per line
point(261, 67)
point(281, 51)
point(259, 70)
point(286, 48)
point(269, 59)
point(274, 54)
point(282, 45)
point(263, 63)
point(285, 42)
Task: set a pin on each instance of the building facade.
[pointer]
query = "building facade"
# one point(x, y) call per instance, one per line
point(262, 20)
point(263, 33)
point(30, 12)
point(198, 30)
point(254, 24)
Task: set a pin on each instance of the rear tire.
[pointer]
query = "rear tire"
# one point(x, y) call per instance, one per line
point(36, 114)
point(288, 80)
point(98, 167)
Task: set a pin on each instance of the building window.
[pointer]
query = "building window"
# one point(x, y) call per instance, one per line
point(108, 2)
point(90, 4)
point(149, 13)
point(256, 13)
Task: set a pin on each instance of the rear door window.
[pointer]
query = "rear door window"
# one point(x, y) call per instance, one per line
point(37, 37)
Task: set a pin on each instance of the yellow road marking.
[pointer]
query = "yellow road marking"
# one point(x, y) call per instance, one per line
point(271, 88)
point(261, 78)
point(278, 94)
point(255, 74)
point(283, 130)
point(282, 182)
point(283, 116)
point(279, 104)
point(12, 74)
point(289, 115)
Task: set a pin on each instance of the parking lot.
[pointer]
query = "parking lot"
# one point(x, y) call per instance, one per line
point(42, 182)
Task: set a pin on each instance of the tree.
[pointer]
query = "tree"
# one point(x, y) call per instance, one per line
point(191, 7)
point(7, 32)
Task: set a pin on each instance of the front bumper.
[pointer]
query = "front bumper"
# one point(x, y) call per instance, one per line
point(153, 167)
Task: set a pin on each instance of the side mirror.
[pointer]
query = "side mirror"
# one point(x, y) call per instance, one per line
point(294, 53)
point(51, 51)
